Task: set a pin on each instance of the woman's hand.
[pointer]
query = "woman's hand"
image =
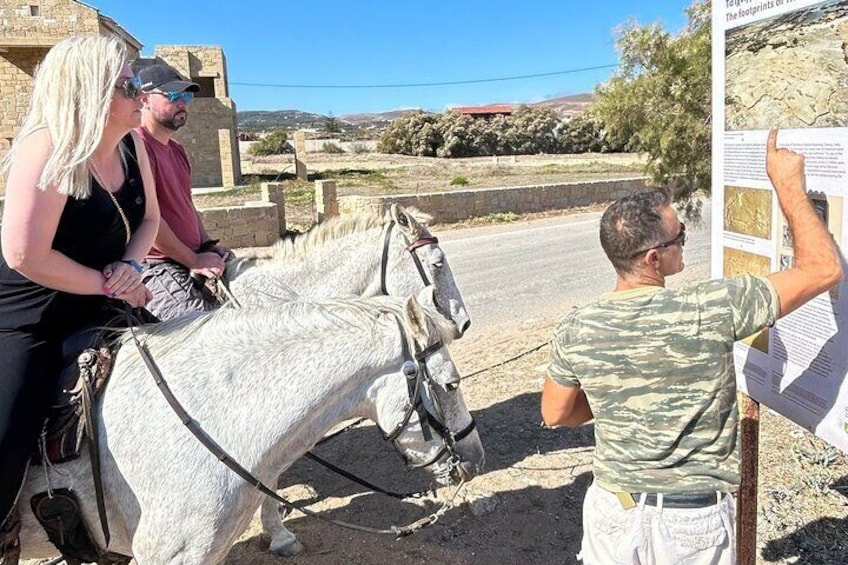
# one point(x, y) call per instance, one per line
point(121, 279)
point(138, 297)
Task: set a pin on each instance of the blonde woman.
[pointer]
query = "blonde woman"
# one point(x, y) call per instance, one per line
point(80, 214)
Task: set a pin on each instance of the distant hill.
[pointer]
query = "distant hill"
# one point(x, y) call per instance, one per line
point(276, 119)
point(374, 118)
point(252, 121)
point(567, 105)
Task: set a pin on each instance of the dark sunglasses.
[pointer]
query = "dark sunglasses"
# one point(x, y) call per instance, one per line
point(172, 97)
point(131, 88)
point(680, 238)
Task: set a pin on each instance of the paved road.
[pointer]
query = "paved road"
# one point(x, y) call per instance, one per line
point(531, 273)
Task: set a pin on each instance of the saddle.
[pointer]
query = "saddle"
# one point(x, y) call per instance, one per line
point(87, 358)
point(70, 423)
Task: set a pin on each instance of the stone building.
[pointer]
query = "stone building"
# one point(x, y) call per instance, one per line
point(28, 28)
point(209, 135)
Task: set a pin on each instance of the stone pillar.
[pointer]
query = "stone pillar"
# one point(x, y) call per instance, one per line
point(326, 201)
point(299, 154)
point(275, 193)
point(230, 165)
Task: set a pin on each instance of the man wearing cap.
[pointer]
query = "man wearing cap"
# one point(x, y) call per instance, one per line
point(653, 367)
point(183, 255)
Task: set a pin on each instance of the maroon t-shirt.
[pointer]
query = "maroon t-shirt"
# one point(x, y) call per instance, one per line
point(172, 173)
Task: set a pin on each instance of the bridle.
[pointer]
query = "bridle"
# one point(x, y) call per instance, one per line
point(411, 247)
point(417, 377)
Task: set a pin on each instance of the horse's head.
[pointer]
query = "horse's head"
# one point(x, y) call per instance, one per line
point(422, 262)
point(424, 413)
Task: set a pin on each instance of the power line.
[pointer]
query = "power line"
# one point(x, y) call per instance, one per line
point(421, 84)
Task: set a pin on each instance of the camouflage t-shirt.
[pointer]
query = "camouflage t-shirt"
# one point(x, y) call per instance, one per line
point(657, 368)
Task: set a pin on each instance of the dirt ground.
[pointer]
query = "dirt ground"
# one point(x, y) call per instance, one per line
point(525, 507)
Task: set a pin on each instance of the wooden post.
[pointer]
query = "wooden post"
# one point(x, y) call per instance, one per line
point(746, 511)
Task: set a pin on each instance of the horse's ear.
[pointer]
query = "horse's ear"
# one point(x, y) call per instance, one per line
point(399, 215)
point(416, 321)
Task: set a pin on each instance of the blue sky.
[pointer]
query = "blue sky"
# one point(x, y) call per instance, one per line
point(381, 42)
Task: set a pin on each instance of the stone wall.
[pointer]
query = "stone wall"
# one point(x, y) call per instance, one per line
point(44, 22)
point(255, 224)
point(16, 69)
point(449, 207)
point(27, 31)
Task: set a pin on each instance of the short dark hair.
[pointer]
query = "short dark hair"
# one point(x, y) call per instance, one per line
point(631, 224)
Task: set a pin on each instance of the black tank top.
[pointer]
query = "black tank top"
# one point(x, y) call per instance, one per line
point(92, 233)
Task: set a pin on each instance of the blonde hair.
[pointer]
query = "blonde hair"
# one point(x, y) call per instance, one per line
point(71, 95)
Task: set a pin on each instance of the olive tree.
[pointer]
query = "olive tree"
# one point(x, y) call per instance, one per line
point(658, 101)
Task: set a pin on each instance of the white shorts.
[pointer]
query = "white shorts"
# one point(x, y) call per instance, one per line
point(653, 535)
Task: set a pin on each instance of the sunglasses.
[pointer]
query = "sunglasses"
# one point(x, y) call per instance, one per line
point(130, 87)
point(680, 238)
point(172, 97)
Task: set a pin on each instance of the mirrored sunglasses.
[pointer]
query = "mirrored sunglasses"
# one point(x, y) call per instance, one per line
point(130, 87)
point(172, 97)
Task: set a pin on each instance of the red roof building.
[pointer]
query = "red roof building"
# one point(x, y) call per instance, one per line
point(485, 111)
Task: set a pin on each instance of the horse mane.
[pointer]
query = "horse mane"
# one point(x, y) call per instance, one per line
point(286, 318)
point(334, 228)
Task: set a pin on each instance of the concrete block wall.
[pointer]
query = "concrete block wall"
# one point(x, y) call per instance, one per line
point(449, 207)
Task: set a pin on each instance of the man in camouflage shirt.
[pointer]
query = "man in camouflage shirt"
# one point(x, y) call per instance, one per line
point(654, 368)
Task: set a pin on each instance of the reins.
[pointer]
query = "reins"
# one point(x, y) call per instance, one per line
point(213, 447)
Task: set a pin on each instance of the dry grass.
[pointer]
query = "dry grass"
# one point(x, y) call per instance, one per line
point(373, 174)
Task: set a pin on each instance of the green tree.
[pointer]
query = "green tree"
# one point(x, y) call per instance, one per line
point(532, 130)
point(331, 124)
point(412, 133)
point(658, 101)
point(275, 143)
point(585, 133)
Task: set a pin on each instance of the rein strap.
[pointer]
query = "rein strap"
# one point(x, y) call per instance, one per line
point(245, 475)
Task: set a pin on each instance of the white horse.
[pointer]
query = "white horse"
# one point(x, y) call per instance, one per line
point(266, 384)
point(359, 255)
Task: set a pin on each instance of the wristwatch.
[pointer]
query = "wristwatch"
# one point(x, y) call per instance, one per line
point(132, 263)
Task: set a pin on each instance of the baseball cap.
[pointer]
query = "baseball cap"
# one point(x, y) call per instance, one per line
point(164, 78)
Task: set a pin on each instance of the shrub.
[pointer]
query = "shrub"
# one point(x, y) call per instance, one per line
point(413, 133)
point(459, 181)
point(330, 147)
point(499, 218)
point(359, 148)
point(275, 143)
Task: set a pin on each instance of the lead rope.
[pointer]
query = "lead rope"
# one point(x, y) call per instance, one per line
point(245, 475)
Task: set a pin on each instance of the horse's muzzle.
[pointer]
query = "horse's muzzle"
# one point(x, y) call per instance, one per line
point(466, 471)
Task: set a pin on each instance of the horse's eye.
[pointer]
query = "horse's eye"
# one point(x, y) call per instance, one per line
point(438, 265)
point(451, 386)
